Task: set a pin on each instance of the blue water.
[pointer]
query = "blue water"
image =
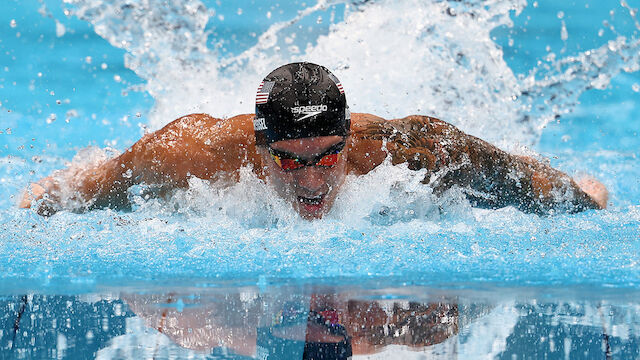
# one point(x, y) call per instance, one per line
point(554, 79)
point(106, 105)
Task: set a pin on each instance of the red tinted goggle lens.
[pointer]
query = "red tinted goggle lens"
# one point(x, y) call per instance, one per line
point(287, 164)
point(292, 163)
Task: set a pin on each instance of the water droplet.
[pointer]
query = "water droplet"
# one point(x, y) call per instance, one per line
point(52, 93)
point(70, 114)
point(636, 87)
point(103, 66)
point(564, 34)
point(319, 20)
point(600, 32)
point(117, 78)
point(560, 14)
point(39, 74)
point(268, 14)
point(51, 118)
point(293, 49)
point(13, 23)
point(239, 12)
point(127, 174)
point(60, 29)
point(58, 102)
point(535, 4)
point(88, 59)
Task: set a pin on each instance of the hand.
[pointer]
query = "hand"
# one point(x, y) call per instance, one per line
point(37, 193)
point(595, 189)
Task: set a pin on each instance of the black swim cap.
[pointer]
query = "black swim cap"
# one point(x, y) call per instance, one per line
point(300, 100)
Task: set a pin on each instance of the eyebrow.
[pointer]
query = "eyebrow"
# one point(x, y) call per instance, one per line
point(283, 153)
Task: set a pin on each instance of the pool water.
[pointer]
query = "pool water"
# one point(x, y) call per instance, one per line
point(82, 80)
point(400, 322)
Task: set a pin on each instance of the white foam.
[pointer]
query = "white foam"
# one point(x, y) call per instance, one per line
point(386, 222)
point(393, 58)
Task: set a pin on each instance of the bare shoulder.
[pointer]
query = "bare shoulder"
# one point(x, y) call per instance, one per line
point(417, 140)
point(359, 120)
point(200, 145)
point(365, 152)
point(204, 127)
point(371, 126)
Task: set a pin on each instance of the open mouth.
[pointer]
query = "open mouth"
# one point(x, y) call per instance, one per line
point(313, 201)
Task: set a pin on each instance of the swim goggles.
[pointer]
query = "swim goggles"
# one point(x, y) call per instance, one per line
point(287, 161)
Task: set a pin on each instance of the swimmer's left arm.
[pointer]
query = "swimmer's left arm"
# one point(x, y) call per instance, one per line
point(505, 179)
point(490, 177)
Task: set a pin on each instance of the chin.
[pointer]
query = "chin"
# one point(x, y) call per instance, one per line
point(312, 212)
point(310, 217)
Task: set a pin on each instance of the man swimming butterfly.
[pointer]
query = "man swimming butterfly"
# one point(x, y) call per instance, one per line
point(304, 141)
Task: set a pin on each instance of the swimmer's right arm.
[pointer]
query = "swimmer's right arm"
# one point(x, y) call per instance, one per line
point(79, 188)
point(194, 145)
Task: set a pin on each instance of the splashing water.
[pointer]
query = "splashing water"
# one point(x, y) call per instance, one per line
point(394, 59)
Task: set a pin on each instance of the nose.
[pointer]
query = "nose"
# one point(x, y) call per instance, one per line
point(310, 179)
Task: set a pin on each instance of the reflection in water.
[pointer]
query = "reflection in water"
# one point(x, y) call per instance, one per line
point(44, 326)
point(283, 325)
point(292, 322)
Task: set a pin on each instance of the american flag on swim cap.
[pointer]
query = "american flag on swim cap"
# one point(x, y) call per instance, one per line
point(263, 92)
point(338, 84)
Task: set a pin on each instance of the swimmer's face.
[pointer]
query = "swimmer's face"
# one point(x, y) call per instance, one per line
point(310, 189)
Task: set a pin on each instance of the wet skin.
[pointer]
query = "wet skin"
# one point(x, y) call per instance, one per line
point(209, 148)
point(311, 189)
point(223, 319)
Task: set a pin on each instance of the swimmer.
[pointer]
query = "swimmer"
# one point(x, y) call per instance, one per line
point(303, 140)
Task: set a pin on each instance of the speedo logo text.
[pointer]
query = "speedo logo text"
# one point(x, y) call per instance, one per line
point(308, 111)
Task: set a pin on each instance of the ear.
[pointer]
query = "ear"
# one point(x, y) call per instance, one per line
point(348, 143)
point(263, 154)
point(262, 151)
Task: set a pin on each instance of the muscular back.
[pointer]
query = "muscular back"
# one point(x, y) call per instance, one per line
point(206, 147)
point(203, 146)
